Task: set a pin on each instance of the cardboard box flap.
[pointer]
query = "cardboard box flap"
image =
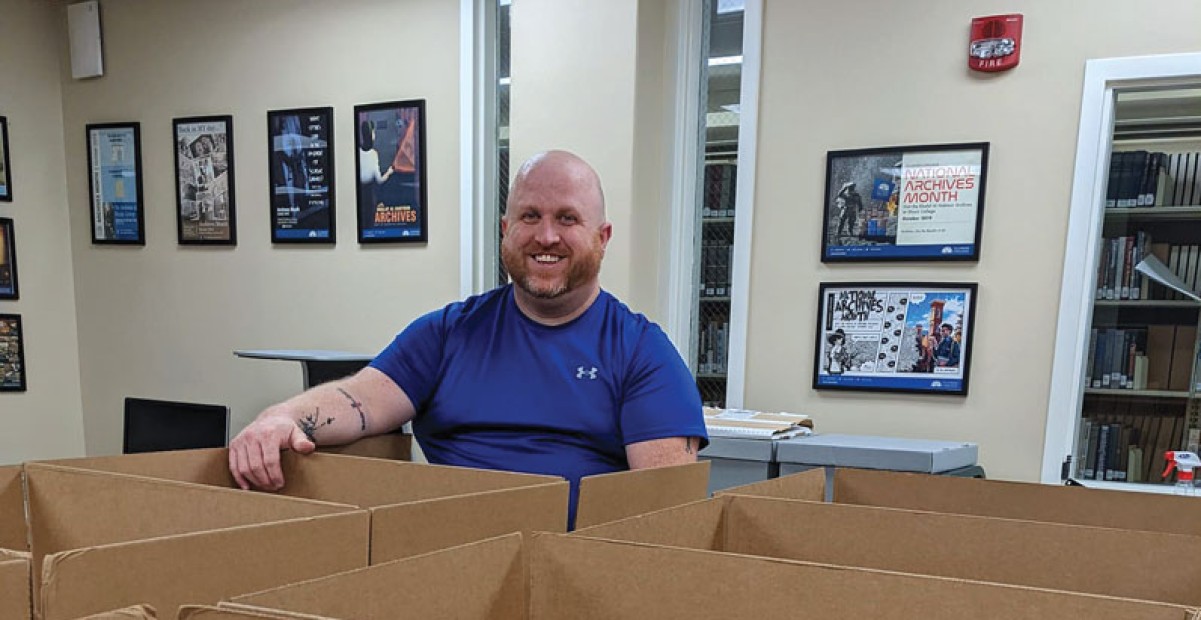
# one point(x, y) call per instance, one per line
point(1019, 500)
point(220, 612)
point(13, 531)
point(1047, 555)
point(208, 466)
point(14, 587)
point(419, 527)
point(368, 482)
point(202, 567)
point(133, 612)
point(391, 446)
point(609, 497)
point(485, 579)
point(699, 525)
point(73, 508)
point(808, 485)
point(581, 578)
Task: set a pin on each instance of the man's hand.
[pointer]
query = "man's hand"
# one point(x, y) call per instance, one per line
point(254, 453)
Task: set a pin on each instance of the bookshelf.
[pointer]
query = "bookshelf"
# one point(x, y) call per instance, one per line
point(1140, 393)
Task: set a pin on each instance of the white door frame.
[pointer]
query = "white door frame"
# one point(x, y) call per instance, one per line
point(1102, 78)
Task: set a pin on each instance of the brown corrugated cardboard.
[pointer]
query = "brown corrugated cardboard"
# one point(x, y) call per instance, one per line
point(15, 601)
point(609, 497)
point(13, 532)
point(104, 540)
point(1047, 555)
point(209, 612)
point(133, 612)
point(392, 446)
point(479, 580)
point(202, 567)
point(992, 498)
point(414, 528)
point(583, 578)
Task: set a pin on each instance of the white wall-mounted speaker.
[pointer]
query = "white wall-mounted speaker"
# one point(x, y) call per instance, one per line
point(83, 26)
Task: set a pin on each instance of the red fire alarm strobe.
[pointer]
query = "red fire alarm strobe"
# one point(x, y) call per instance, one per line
point(996, 43)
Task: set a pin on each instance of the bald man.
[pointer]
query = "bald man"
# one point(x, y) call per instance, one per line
point(547, 375)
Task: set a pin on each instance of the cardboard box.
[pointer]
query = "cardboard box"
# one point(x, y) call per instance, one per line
point(868, 452)
point(569, 577)
point(209, 612)
point(101, 541)
point(13, 530)
point(133, 612)
point(417, 508)
point(992, 498)
point(1056, 556)
point(414, 508)
point(15, 598)
point(392, 446)
point(609, 497)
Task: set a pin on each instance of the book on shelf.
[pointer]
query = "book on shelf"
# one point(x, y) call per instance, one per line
point(747, 424)
point(1153, 179)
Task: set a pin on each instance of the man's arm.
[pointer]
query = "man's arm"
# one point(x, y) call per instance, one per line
point(662, 452)
point(334, 413)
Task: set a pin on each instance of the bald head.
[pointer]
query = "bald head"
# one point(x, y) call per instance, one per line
point(564, 171)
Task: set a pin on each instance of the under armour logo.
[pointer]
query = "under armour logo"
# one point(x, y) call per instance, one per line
point(580, 373)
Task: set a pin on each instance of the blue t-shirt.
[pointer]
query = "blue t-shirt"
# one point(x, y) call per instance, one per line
point(496, 390)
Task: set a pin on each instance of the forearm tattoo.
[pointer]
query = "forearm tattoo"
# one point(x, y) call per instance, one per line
point(357, 405)
point(310, 423)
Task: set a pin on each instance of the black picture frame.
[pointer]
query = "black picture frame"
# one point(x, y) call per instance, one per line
point(391, 205)
point(926, 203)
point(300, 160)
point(6, 168)
point(12, 354)
point(115, 155)
point(9, 284)
point(205, 195)
point(889, 336)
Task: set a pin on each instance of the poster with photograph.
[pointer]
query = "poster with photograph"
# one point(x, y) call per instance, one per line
point(390, 167)
point(301, 162)
point(115, 183)
point(6, 184)
point(12, 354)
point(910, 203)
point(204, 180)
point(8, 260)
point(894, 336)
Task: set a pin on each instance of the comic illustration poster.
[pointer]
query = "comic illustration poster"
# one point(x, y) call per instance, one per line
point(204, 180)
point(300, 157)
point(390, 167)
point(904, 203)
point(12, 354)
point(115, 183)
point(909, 337)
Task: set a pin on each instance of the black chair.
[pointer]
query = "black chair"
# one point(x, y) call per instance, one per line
point(158, 425)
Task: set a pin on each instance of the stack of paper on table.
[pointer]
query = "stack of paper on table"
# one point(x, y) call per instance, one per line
point(747, 424)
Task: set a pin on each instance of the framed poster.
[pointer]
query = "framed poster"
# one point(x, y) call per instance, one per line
point(301, 163)
point(12, 354)
point(8, 260)
point(894, 337)
point(204, 180)
point(390, 168)
point(904, 203)
point(6, 179)
point(115, 183)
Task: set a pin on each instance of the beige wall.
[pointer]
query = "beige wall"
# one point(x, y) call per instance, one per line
point(162, 321)
point(45, 421)
point(598, 79)
point(879, 73)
